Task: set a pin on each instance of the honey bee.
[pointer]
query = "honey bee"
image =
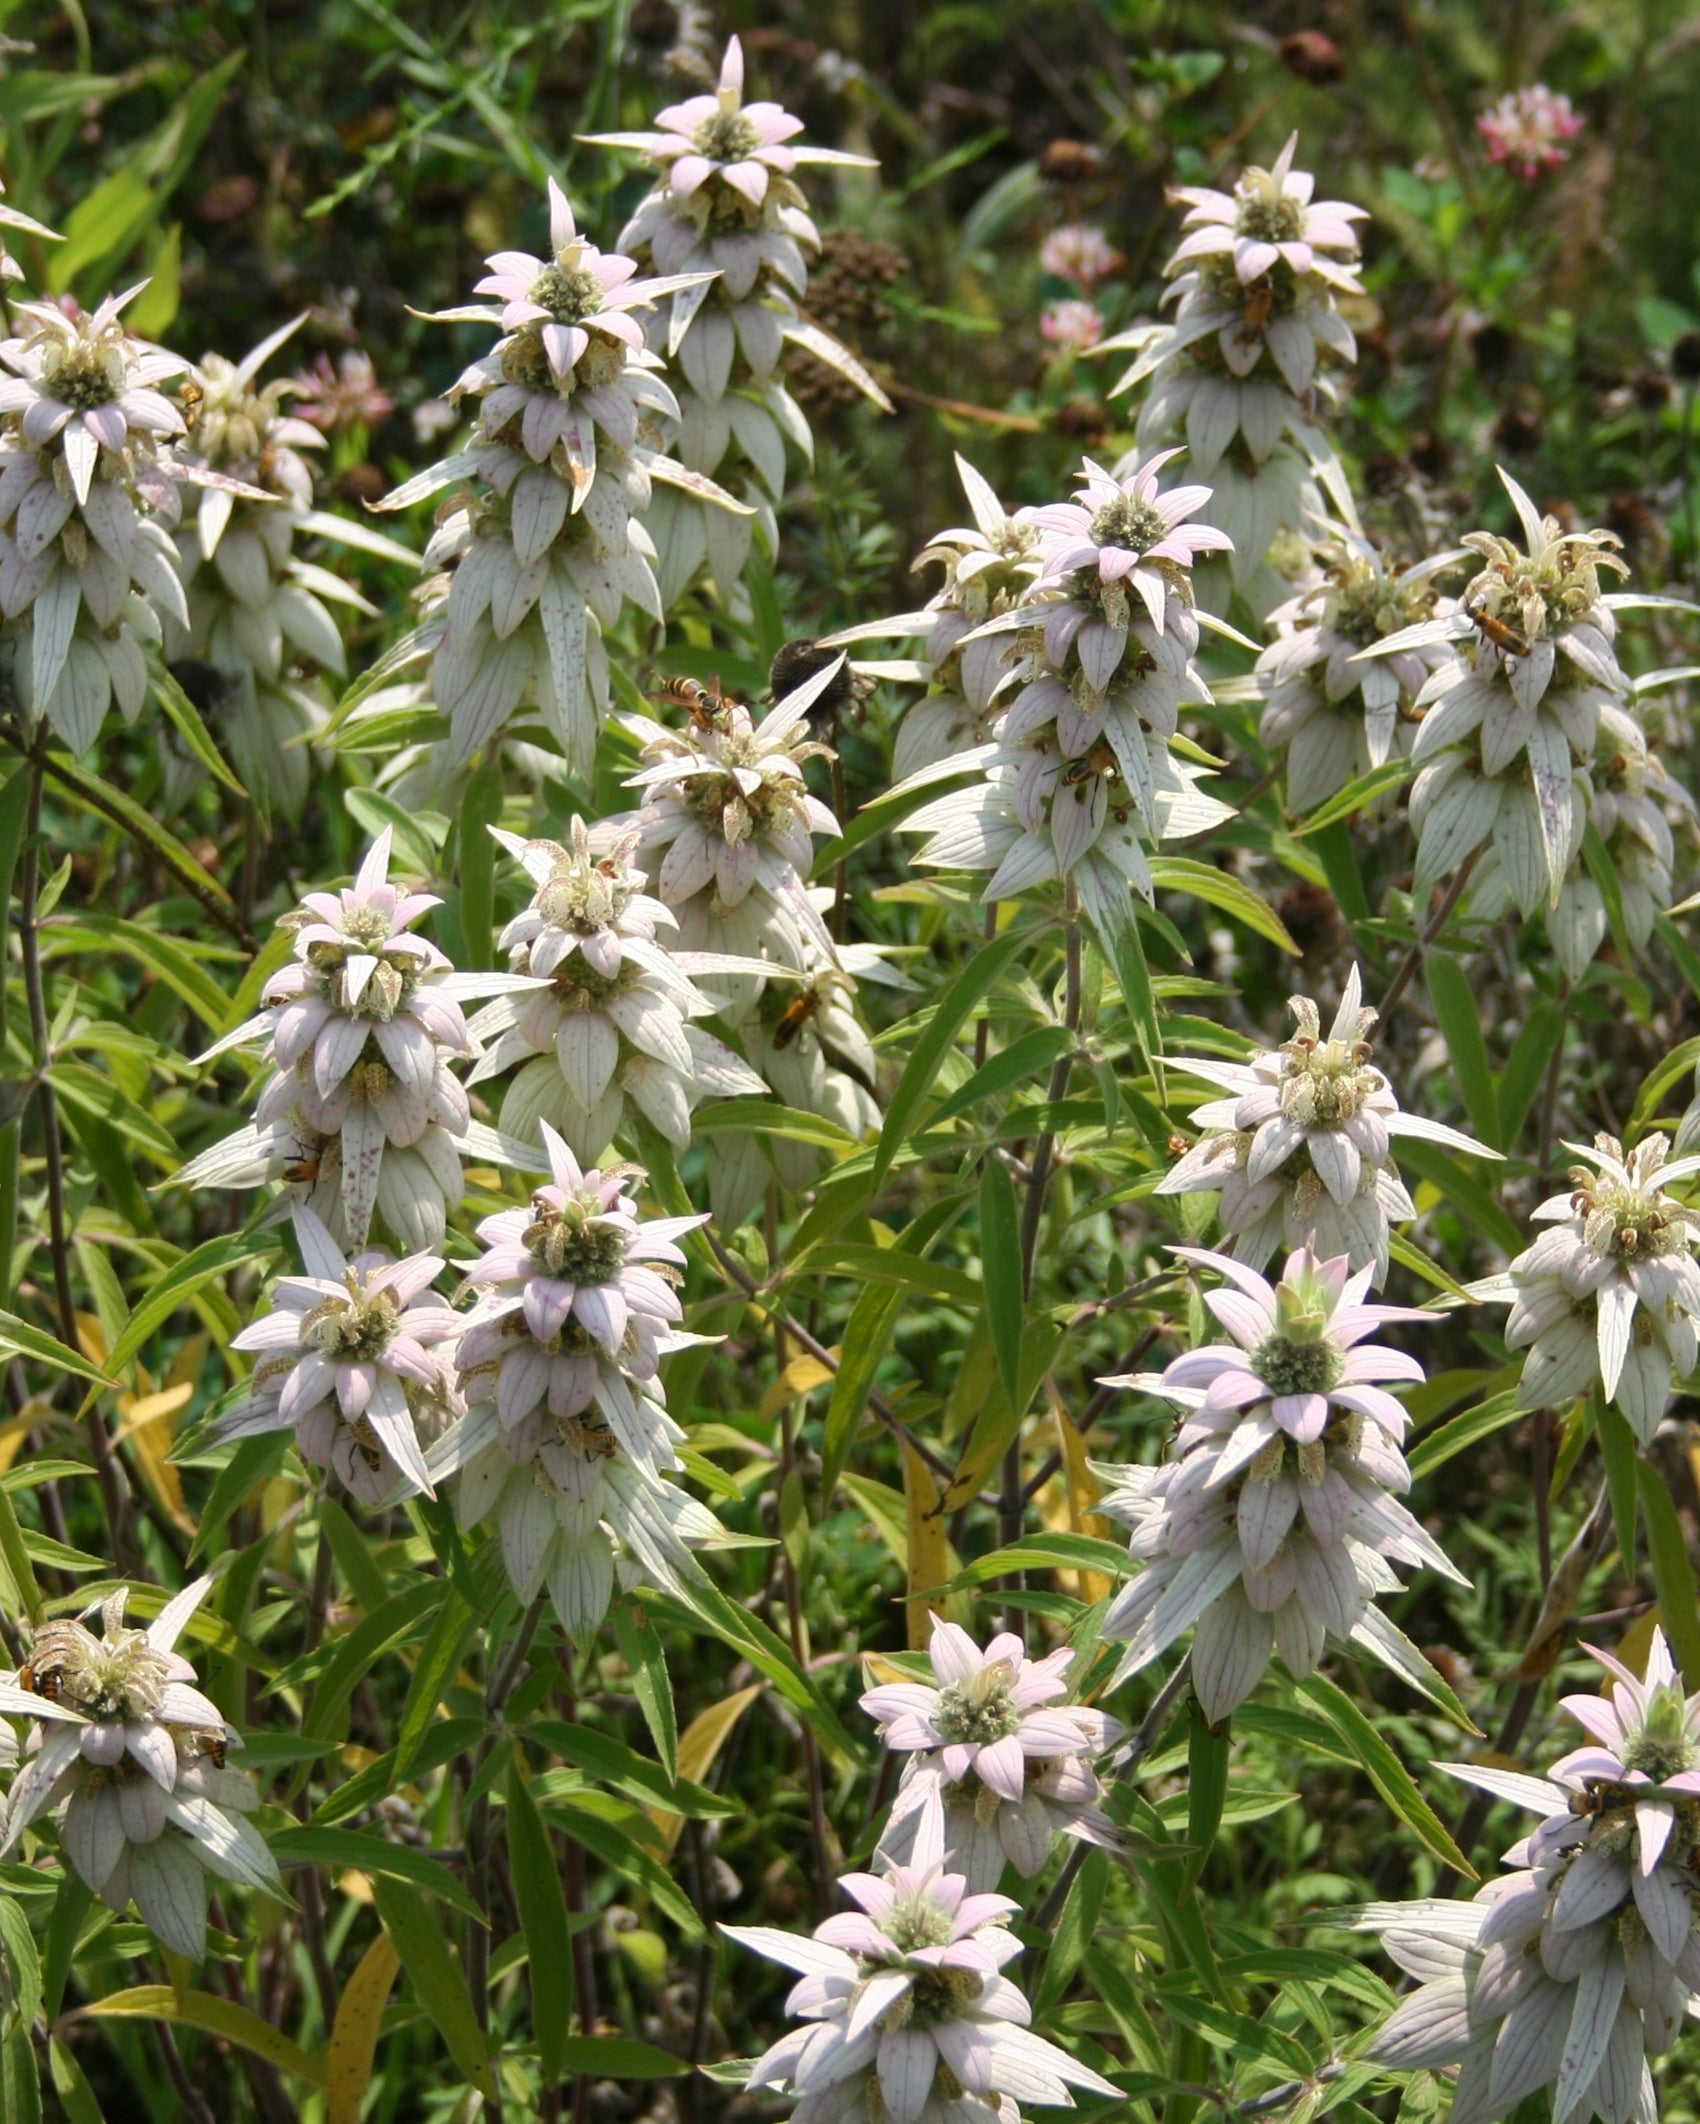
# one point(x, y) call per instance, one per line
point(217, 1750)
point(1604, 1795)
point(707, 707)
point(1503, 637)
point(42, 1681)
point(190, 396)
point(1100, 760)
point(1259, 308)
point(1178, 1146)
point(301, 1172)
point(795, 1016)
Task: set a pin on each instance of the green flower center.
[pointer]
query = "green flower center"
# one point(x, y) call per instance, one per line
point(1326, 1082)
point(391, 983)
point(352, 1330)
point(564, 1242)
point(979, 1710)
point(583, 900)
point(916, 1921)
point(80, 377)
point(1664, 1744)
point(1270, 217)
point(726, 137)
point(1288, 1367)
point(569, 293)
point(938, 1995)
point(1128, 522)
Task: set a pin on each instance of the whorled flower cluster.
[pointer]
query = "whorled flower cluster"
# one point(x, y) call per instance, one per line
point(361, 1114)
point(540, 546)
point(1570, 1974)
point(1609, 1294)
point(989, 567)
point(1331, 714)
point(906, 2016)
point(613, 1019)
point(350, 1359)
point(259, 635)
point(726, 829)
point(1529, 708)
point(88, 571)
point(1274, 1526)
point(994, 1742)
point(1248, 363)
point(567, 1439)
point(1079, 780)
point(726, 206)
point(131, 1756)
point(1301, 1149)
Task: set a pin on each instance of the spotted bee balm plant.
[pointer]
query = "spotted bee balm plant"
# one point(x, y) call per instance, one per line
point(785, 1337)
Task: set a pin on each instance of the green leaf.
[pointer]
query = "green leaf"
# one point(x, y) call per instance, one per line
point(253, 1462)
point(1459, 1433)
point(70, 2084)
point(950, 1014)
point(480, 808)
point(351, 1656)
point(764, 1117)
point(620, 2058)
point(866, 1336)
point(23, 1960)
point(1526, 1066)
point(186, 717)
point(1042, 1552)
point(14, 823)
point(1358, 794)
point(1219, 888)
point(631, 1864)
point(1384, 1640)
point(1000, 1245)
point(1133, 977)
point(351, 1549)
point(623, 1770)
point(543, 1919)
point(436, 1978)
point(1673, 1574)
point(209, 1263)
point(1383, 1768)
point(1207, 1788)
point(1343, 869)
point(20, 2079)
point(19, 1339)
point(646, 1667)
point(351, 1851)
point(1458, 1014)
point(1027, 1057)
point(16, 1559)
point(138, 821)
point(1077, 1925)
point(438, 1663)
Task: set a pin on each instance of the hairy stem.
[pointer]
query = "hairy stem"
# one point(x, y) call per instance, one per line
point(1442, 915)
point(113, 1488)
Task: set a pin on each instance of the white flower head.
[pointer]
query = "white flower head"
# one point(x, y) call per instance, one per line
point(906, 2015)
point(351, 1359)
point(134, 1754)
point(612, 1020)
point(1610, 1291)
point(1335, 714)
point(360, 1028)
point(567, 1436)
point(1274, 1525)
point(1571, 1973)
point(1302, 1146)
point(994, 1740)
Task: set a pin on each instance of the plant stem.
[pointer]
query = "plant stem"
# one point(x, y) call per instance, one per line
point(113, 1489)
point(1549, 1093)
point(1012, 1494)
point(1147, 1734)
point(505, 1673)
point(575, 1894)
point(1413, 958)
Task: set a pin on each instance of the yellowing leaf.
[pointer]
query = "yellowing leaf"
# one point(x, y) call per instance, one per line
point(1078, 1494)
point(701, 1741)
point(929, 1547)
point(800, 1376)
point(354, 2036)
point(214, 2016)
